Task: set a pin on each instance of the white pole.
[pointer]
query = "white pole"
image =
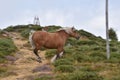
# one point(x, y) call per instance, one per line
point(107, 32)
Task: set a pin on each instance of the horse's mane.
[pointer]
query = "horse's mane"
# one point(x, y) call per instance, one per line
point(66, 29)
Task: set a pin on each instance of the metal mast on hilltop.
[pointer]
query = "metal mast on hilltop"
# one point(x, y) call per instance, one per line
point(36, 21)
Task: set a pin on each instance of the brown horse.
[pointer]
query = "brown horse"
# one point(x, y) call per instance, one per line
point(54, 40)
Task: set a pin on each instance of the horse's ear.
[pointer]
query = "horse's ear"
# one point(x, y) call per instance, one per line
point(73, 28)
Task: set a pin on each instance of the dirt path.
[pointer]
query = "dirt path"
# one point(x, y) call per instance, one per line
point(26, 67)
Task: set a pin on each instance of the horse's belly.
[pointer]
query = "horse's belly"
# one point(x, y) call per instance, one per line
point(51, 45)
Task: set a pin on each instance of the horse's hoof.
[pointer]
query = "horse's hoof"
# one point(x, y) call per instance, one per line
point(39, 61)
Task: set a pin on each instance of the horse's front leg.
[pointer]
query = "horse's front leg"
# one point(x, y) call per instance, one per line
point(36, 53)
point(60, 52)
point(58, 55)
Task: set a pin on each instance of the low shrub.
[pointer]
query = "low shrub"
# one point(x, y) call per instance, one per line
point(50, 53)
point(53, 28)
point(35, 27)
point(77, 75)
point(9, 29)
point(45, 78)
point(7, 47)
point(115, 78)
point(99, 48)
point(25, 33)
point(62, 62)
point(65, 68)
point(17, 28)
point(3, 70)
point(86, 42)
point(113, 49)
point(115, 55)
point(85, 68)
point(83, 48)
point(80, 57)
point(69, 50)
point(72, 41)
point(97, 56)
point(2, 59)
point(114, 58)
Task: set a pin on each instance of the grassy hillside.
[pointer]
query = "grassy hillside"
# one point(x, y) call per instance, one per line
point(83, 59)
point(7, 46)
point(86, 60)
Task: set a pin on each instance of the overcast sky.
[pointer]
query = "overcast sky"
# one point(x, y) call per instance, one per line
point(83, 14)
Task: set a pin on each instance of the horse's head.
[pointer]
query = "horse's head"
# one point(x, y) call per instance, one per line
point(72, 32)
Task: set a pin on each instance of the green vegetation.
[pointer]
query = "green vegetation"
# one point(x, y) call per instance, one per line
point(50, 53)
point(7, 47)
point(86, 59)
point(83, 59)
point(80, 75)
point(112, 35)
point(53, 28)
point(44, 78)
point(25, 29)
point(3, 71)
point(25, 33)
point(65, 68)
point(62, 62)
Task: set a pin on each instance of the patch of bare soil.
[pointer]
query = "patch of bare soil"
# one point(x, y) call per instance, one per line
point(24, 65)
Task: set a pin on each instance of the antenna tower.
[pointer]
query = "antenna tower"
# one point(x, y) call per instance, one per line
point(36, 21)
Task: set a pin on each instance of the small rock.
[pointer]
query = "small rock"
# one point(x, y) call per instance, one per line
point(43, 68)
point(11, 58)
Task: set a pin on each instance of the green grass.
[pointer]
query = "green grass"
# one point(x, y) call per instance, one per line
point(65, 68)
point(50, 53)
point(89, 60)
point(3, 71)
point(45, 78)
point(25, 33)
point(80, 75)
point(82, 59)
point(7, 47)
point(62, 62)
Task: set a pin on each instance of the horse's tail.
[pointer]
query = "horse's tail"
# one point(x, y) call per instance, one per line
point(31, 40)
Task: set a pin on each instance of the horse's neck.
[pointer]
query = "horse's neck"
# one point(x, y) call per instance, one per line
point(64, 35)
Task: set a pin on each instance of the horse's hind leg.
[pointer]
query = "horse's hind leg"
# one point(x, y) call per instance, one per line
point(36, 53)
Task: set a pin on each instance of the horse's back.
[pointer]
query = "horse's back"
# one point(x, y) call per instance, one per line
point(39, 35)
point(46, 39)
